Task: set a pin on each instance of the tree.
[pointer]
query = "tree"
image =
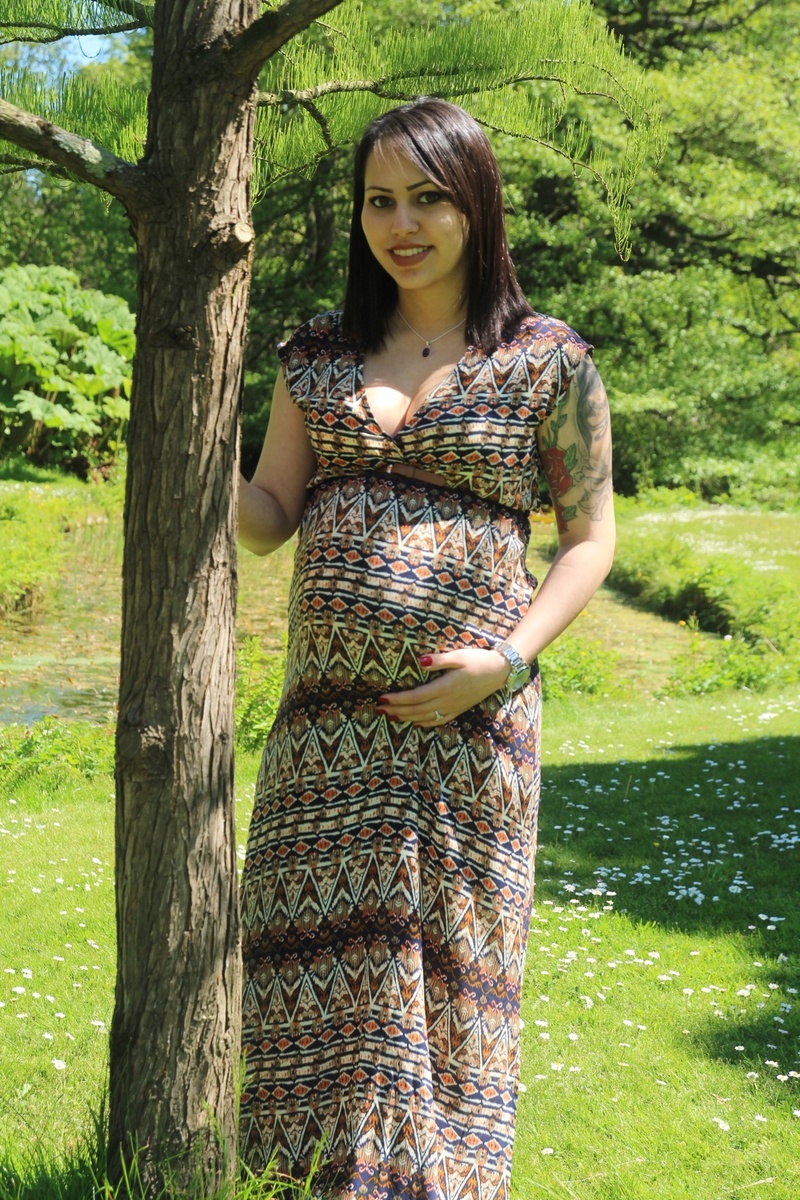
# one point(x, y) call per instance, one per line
point(229, 112)
point(654, 28)
point(697, 333)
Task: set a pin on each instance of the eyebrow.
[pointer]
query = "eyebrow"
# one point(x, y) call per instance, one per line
point(374, 187)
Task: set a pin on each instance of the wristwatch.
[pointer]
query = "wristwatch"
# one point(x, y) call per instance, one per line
point(520, 670)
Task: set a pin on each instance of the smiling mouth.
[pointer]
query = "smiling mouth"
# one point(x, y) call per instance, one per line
point(409, 252)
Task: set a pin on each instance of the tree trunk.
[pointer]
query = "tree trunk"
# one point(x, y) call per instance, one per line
point(175, 1037)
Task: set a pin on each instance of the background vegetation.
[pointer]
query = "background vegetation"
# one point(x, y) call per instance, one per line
point(696, 334)
point(661, 1052)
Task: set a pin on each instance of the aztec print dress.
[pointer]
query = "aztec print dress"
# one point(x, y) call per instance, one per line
point(388, 880)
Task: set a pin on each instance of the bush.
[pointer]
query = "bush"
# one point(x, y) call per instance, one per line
point(711, 586)
point(731, 663)
point(65, 369)
point(696, 401)
point(573, 666)
point(666, 578)
point(54, 751)
point(259, 682)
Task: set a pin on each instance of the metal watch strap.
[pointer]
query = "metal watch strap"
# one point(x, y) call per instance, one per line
point(520, 669)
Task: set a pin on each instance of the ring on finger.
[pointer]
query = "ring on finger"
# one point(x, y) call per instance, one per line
point(437, 714)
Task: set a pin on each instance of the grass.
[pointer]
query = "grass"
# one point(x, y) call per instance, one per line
point(40, 525)
point(82, 1173)
point(736, 571)
point(641, 805)
point(661, 1037)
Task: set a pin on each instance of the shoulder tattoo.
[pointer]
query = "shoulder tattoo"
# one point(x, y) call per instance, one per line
point(576, 448)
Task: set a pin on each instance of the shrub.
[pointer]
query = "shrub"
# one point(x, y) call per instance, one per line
point(53, 751)
point(259, 682)
point(65, 369)
point(710, 585)
point(732, 662)
point(574, 666)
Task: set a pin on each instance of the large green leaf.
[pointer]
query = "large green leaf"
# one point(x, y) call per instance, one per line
point(64, 389)
point(54, 415)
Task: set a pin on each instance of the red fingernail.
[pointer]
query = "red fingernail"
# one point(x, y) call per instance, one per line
point(426, 660)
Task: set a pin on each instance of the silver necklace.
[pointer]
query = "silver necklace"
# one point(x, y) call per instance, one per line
point(429, 341)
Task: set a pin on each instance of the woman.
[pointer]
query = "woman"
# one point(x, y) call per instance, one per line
point(389, 874)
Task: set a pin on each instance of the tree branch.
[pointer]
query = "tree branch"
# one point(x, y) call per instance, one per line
point(651, 30)
point(314, 112)
point(577, 164)
point(15, 166)
point(382, 86)
point(54, 33)
point(141, 17)
point(81, 157)
point(251, 48)
point(144, 13)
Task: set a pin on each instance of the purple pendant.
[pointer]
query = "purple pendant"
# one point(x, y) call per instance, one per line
point(426, 352)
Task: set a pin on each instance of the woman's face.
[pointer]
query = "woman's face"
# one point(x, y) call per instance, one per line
point(415, 231)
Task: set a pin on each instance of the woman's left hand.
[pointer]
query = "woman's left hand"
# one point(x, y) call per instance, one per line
point(468, 676)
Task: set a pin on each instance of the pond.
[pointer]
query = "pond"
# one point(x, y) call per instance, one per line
point(62, 659)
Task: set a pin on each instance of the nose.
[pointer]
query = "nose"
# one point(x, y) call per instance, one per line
point(404, 220)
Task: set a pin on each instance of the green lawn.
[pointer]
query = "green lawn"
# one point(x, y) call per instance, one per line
point(661, 1055)
point(761, 544)
point(665, 938)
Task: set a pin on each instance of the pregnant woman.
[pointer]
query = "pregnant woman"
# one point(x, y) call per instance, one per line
point(388, 882)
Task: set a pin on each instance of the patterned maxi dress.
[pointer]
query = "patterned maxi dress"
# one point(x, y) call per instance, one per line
point(389, 872)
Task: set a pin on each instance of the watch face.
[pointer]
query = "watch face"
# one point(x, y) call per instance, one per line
point(518, 678)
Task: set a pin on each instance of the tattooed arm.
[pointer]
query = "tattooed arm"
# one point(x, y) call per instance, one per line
point(575, 448)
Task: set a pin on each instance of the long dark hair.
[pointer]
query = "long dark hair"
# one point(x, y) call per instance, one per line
point(454, 152)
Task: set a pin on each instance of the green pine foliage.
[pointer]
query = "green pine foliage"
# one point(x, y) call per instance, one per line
point(318, 94)
point(318, 97)
point(105, 111)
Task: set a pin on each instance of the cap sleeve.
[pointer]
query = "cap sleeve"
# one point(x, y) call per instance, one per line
point(306, 356)
point(558, 352)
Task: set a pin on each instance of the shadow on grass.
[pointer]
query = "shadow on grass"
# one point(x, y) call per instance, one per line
point(703, 841)
point(702, 838)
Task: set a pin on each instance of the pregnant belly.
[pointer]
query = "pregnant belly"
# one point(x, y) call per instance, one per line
point(389, 569)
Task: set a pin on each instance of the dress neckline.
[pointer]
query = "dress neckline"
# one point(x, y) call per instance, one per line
point(408, 421)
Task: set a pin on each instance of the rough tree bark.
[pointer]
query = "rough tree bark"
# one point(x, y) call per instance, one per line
point(175, 1034)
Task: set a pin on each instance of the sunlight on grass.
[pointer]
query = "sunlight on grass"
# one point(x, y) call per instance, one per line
point(661, 1039)
point(661, 996)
